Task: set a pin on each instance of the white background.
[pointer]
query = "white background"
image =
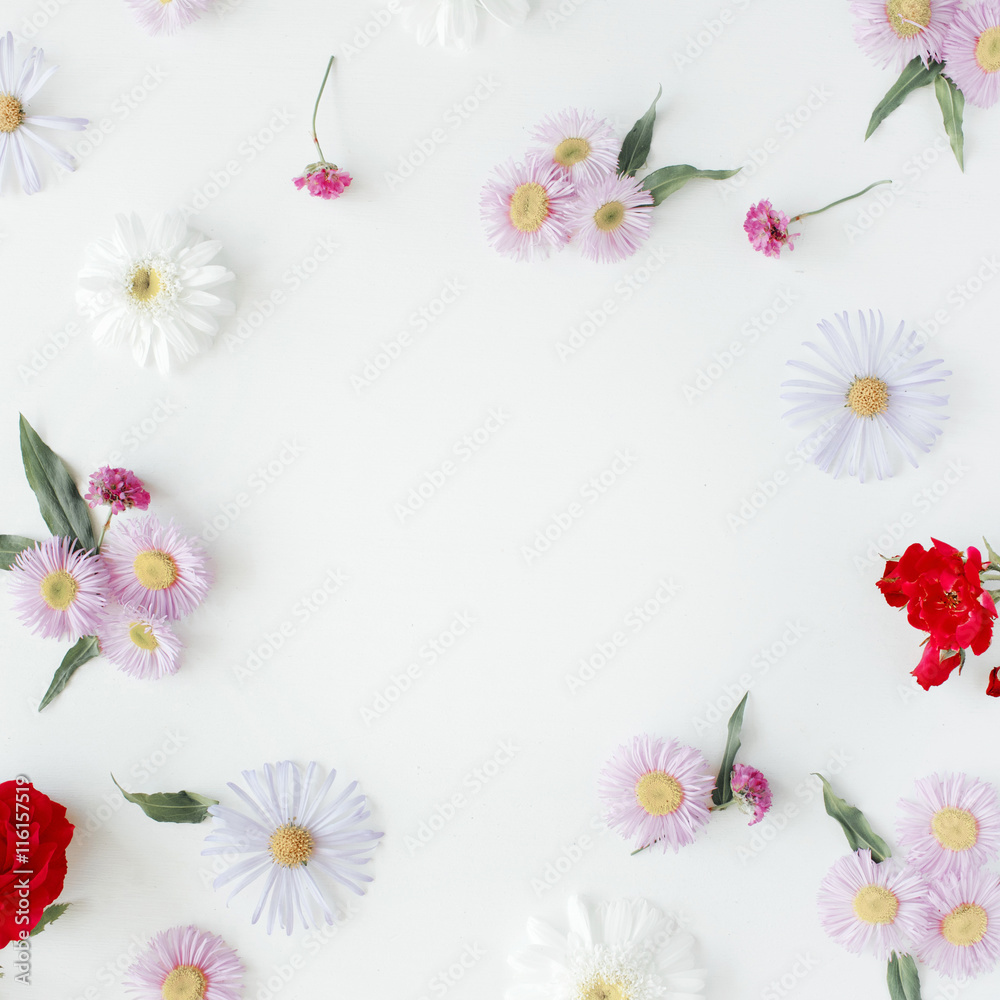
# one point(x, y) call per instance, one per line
point(839, 700)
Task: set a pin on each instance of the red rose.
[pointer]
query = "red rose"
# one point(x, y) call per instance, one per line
point(34, 834)
point(993, 688)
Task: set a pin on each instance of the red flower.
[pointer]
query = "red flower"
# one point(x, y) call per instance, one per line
point(943, 595)
point(34, 834)
point(993, 689)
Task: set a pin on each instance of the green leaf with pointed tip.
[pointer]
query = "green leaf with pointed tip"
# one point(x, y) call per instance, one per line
point(723, 793)
point(49, 916)
point(665, 181)
point(994, 558)
point(914, 76)
point(635, 148)
point(10, 545)
point(62, 507)
point(952, 102)
point(859, 834)
point(170, 807)
point(903, 978)
point(83, 650)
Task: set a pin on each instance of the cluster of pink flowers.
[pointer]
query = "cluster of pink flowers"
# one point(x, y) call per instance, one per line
point(567, 187)
point(118, 489)
point(324, 180)
point(767, 229)
point(751, 791)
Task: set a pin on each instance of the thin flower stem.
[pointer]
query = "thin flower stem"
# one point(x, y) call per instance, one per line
point(850, 197)
point(322, 87)
point(107, 524)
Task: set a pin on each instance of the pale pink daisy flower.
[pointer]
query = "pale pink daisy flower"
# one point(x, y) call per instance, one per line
point(865, 903)
point(767, 229)
point(613, 217)
point(185, 963)
point(894, 32)
point(953, 828)
point(119, 489)
point(751, 791)
point(165, 17)
point(656, 792)
point(139, 644)
point(156, 568)
point(963, 939)
point(59, 590)
point(578, 142)
point(525, 208)
point(972, 52)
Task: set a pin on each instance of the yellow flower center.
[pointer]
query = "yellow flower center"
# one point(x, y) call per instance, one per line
point(146, 282)
point(600, 988)
point(155, 570)
point(955, 829)
point(142, 635)
point(868, 396)
point(908, 17)
point(59, 590)
point(988, 50)
point(874, 904)
point(965, 925)
point(571, 151)
point(11, 113)
point(186, 982)
point(529, 207)
point(609, 216)
point(659, 793)
point(290, 846)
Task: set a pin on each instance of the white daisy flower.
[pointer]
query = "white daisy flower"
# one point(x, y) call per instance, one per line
point(625, 950)
point(869, 391)
point(291, 837)
point(454, 22)
point(17, 87)
point(154, 289)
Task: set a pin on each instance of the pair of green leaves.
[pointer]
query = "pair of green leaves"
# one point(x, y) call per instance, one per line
point(663, 182)
point(902, 977)
point(170, 807)
point(950, 99)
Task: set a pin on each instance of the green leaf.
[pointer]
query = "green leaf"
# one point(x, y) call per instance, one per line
point(994, 558)
point(62, 507)
point(952, 102)
point(859, 834)
point(723, 793)
point(170, 807)
point(85, 649)
point(665, 181)
point(903, 978)
point(10, 545)
point(635, 148)
point(49, 916)
point(913, 77)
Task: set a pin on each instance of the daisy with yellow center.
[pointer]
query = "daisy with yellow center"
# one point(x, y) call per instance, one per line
point(185, 963)
point(894, 32)
point(972, 51)
point(139, 644)
point(612, 217)
point(963, 938)
point(582, 145)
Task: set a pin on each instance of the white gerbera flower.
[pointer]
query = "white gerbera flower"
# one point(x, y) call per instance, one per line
point(154, 290)
point(627, 949)
point(17, 87)
point(291, 837)
point(453, 22)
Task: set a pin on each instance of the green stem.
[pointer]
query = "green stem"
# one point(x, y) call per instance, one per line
point(322, 87)
point(107, 524)
point(840, 201)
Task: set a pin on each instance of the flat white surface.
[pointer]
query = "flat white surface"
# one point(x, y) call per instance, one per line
point(238, 87)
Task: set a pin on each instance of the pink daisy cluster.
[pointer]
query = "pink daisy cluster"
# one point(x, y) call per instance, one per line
point(118, 489)
point(324, 180)
point(751, 790)
point(767, 229)
point(567, 187)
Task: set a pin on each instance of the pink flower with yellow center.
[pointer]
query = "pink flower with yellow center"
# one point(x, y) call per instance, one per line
point(972, 53)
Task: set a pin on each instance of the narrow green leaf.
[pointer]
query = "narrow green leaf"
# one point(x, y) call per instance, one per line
point(994, 558)
point(170, 807)
point(665, 181)
point(859, 834)
point(10, 545)
point(635, 148)
point(903, 978)
point(85, 649)
point(952, 102)
point(49, 916)
point(914, 76)
point(723, 793)
point(62, 507)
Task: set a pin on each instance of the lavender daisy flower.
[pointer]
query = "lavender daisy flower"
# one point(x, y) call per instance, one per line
point(141, 645)
point(59, 590)
point(185, 963)
point(863, 903)
point(868, 391)
point(166, 17)
point(972, 52)
point(291, 837)
point(954, 827)
point(613, 217)
point(894, 32)
point(964, 938)
point(583, 145)
point(654, 791)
